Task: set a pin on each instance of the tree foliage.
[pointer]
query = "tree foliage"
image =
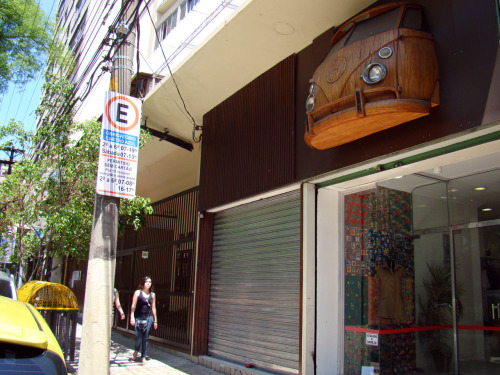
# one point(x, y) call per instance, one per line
point(50, 194)
point(24, 40)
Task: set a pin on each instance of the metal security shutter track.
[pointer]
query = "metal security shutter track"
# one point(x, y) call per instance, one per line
point(255, 284)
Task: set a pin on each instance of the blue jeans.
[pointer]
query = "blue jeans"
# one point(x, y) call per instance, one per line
point(142, 336)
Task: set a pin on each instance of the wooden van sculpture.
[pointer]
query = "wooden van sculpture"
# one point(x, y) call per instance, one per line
point(381, 71)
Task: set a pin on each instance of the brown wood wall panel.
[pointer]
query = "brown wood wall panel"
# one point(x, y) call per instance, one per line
point(169, 237)
point(248, 140)
point(202, 297)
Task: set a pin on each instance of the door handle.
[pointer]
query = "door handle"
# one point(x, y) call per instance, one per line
point(495, 310)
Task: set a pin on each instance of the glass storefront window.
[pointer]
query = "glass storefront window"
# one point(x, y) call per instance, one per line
point(475, 198)
point(422, 276)
point(430, 206)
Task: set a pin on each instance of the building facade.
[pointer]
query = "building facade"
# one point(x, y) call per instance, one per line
point(360, 257)
point(396, 247)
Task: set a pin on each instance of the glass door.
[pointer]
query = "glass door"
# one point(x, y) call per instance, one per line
point(475, 224)
point(456, 229)
point(435, 342)
point(477, 294)
point(433, 257)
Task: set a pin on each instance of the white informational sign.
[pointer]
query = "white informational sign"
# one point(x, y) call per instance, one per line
point(8, 242)
point(372, 339)
point(119, 150)
point(367, 370)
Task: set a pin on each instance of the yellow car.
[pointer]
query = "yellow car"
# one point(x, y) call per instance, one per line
point(7, 286)
point(27, 344)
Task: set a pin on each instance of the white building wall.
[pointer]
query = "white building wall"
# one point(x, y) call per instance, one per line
point(195, 28)
point(307, 351)
point(99, 15)
point(330, 285)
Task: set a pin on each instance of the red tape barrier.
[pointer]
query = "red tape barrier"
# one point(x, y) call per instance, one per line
point(418, 329)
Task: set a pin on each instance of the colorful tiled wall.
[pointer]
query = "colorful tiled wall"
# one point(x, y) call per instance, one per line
point(378, 230)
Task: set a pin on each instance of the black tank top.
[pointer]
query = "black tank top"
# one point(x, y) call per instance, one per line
point(143, 307)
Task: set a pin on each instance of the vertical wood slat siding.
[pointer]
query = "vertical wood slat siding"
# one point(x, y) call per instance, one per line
point(169, 231)
point(255, 284)
point(248, 140)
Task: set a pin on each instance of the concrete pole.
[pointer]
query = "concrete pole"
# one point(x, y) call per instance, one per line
point(96, 328)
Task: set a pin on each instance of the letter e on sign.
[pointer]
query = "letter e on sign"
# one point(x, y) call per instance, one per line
point(122, 113)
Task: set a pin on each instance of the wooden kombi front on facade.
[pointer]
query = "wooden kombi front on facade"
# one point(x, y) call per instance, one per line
point(381, 71)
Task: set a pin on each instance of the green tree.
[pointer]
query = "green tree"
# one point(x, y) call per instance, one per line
point(24, 40)
point(50, 194)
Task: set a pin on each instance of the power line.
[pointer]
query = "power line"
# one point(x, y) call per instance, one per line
point(195, 127)
point(29, 34)
point(92, 62)
point(161, 84)
point(71, 100)
point(101, 45)
point(24, 12)
point(70, 104)
point(108, 57)
point(22, 96)
point(90, 38)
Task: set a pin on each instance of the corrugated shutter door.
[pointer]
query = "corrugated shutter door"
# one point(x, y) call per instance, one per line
point(255, 284)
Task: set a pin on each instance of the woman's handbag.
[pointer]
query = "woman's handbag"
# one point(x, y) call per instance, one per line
point(141, 324)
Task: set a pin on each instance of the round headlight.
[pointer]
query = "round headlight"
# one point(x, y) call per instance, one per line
point(385, 52)
point(374, 73)
point(310, 102)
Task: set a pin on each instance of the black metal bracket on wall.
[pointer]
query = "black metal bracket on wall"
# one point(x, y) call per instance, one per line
point(164, 136)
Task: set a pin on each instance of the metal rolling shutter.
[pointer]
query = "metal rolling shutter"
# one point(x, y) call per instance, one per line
point(255, 284)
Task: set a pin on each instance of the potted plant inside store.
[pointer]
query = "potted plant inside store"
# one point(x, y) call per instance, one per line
point(436, 309)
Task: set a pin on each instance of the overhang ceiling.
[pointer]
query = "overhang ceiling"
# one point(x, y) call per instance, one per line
point(259, 35)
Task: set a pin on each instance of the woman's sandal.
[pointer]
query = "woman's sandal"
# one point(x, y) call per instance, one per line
point(143, 361)
point(134, 356)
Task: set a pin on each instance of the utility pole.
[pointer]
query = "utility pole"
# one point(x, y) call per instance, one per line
point(11, 161)
point(96, 329)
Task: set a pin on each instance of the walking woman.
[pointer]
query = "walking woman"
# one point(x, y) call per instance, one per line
point(143, 316)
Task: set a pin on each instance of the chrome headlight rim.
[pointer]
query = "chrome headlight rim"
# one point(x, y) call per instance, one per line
point(310, 102)
point(311, 99)
point(368, 69)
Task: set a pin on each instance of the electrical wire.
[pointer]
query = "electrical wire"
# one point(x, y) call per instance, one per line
point(73, 99)
point(107, 37)
point(166, 91)
point(88, 42)
point(108, 56)
point(24, 12)
point(38, 80)
point(52, 44)
point(96, 54)
point(31, 30)
point(114, 47)
point(195, 127)
point(196, 32)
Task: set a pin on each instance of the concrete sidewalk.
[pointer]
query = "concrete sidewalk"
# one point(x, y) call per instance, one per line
point(161, 361)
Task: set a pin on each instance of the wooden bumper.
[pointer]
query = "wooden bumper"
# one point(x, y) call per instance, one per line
point(352, 123)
